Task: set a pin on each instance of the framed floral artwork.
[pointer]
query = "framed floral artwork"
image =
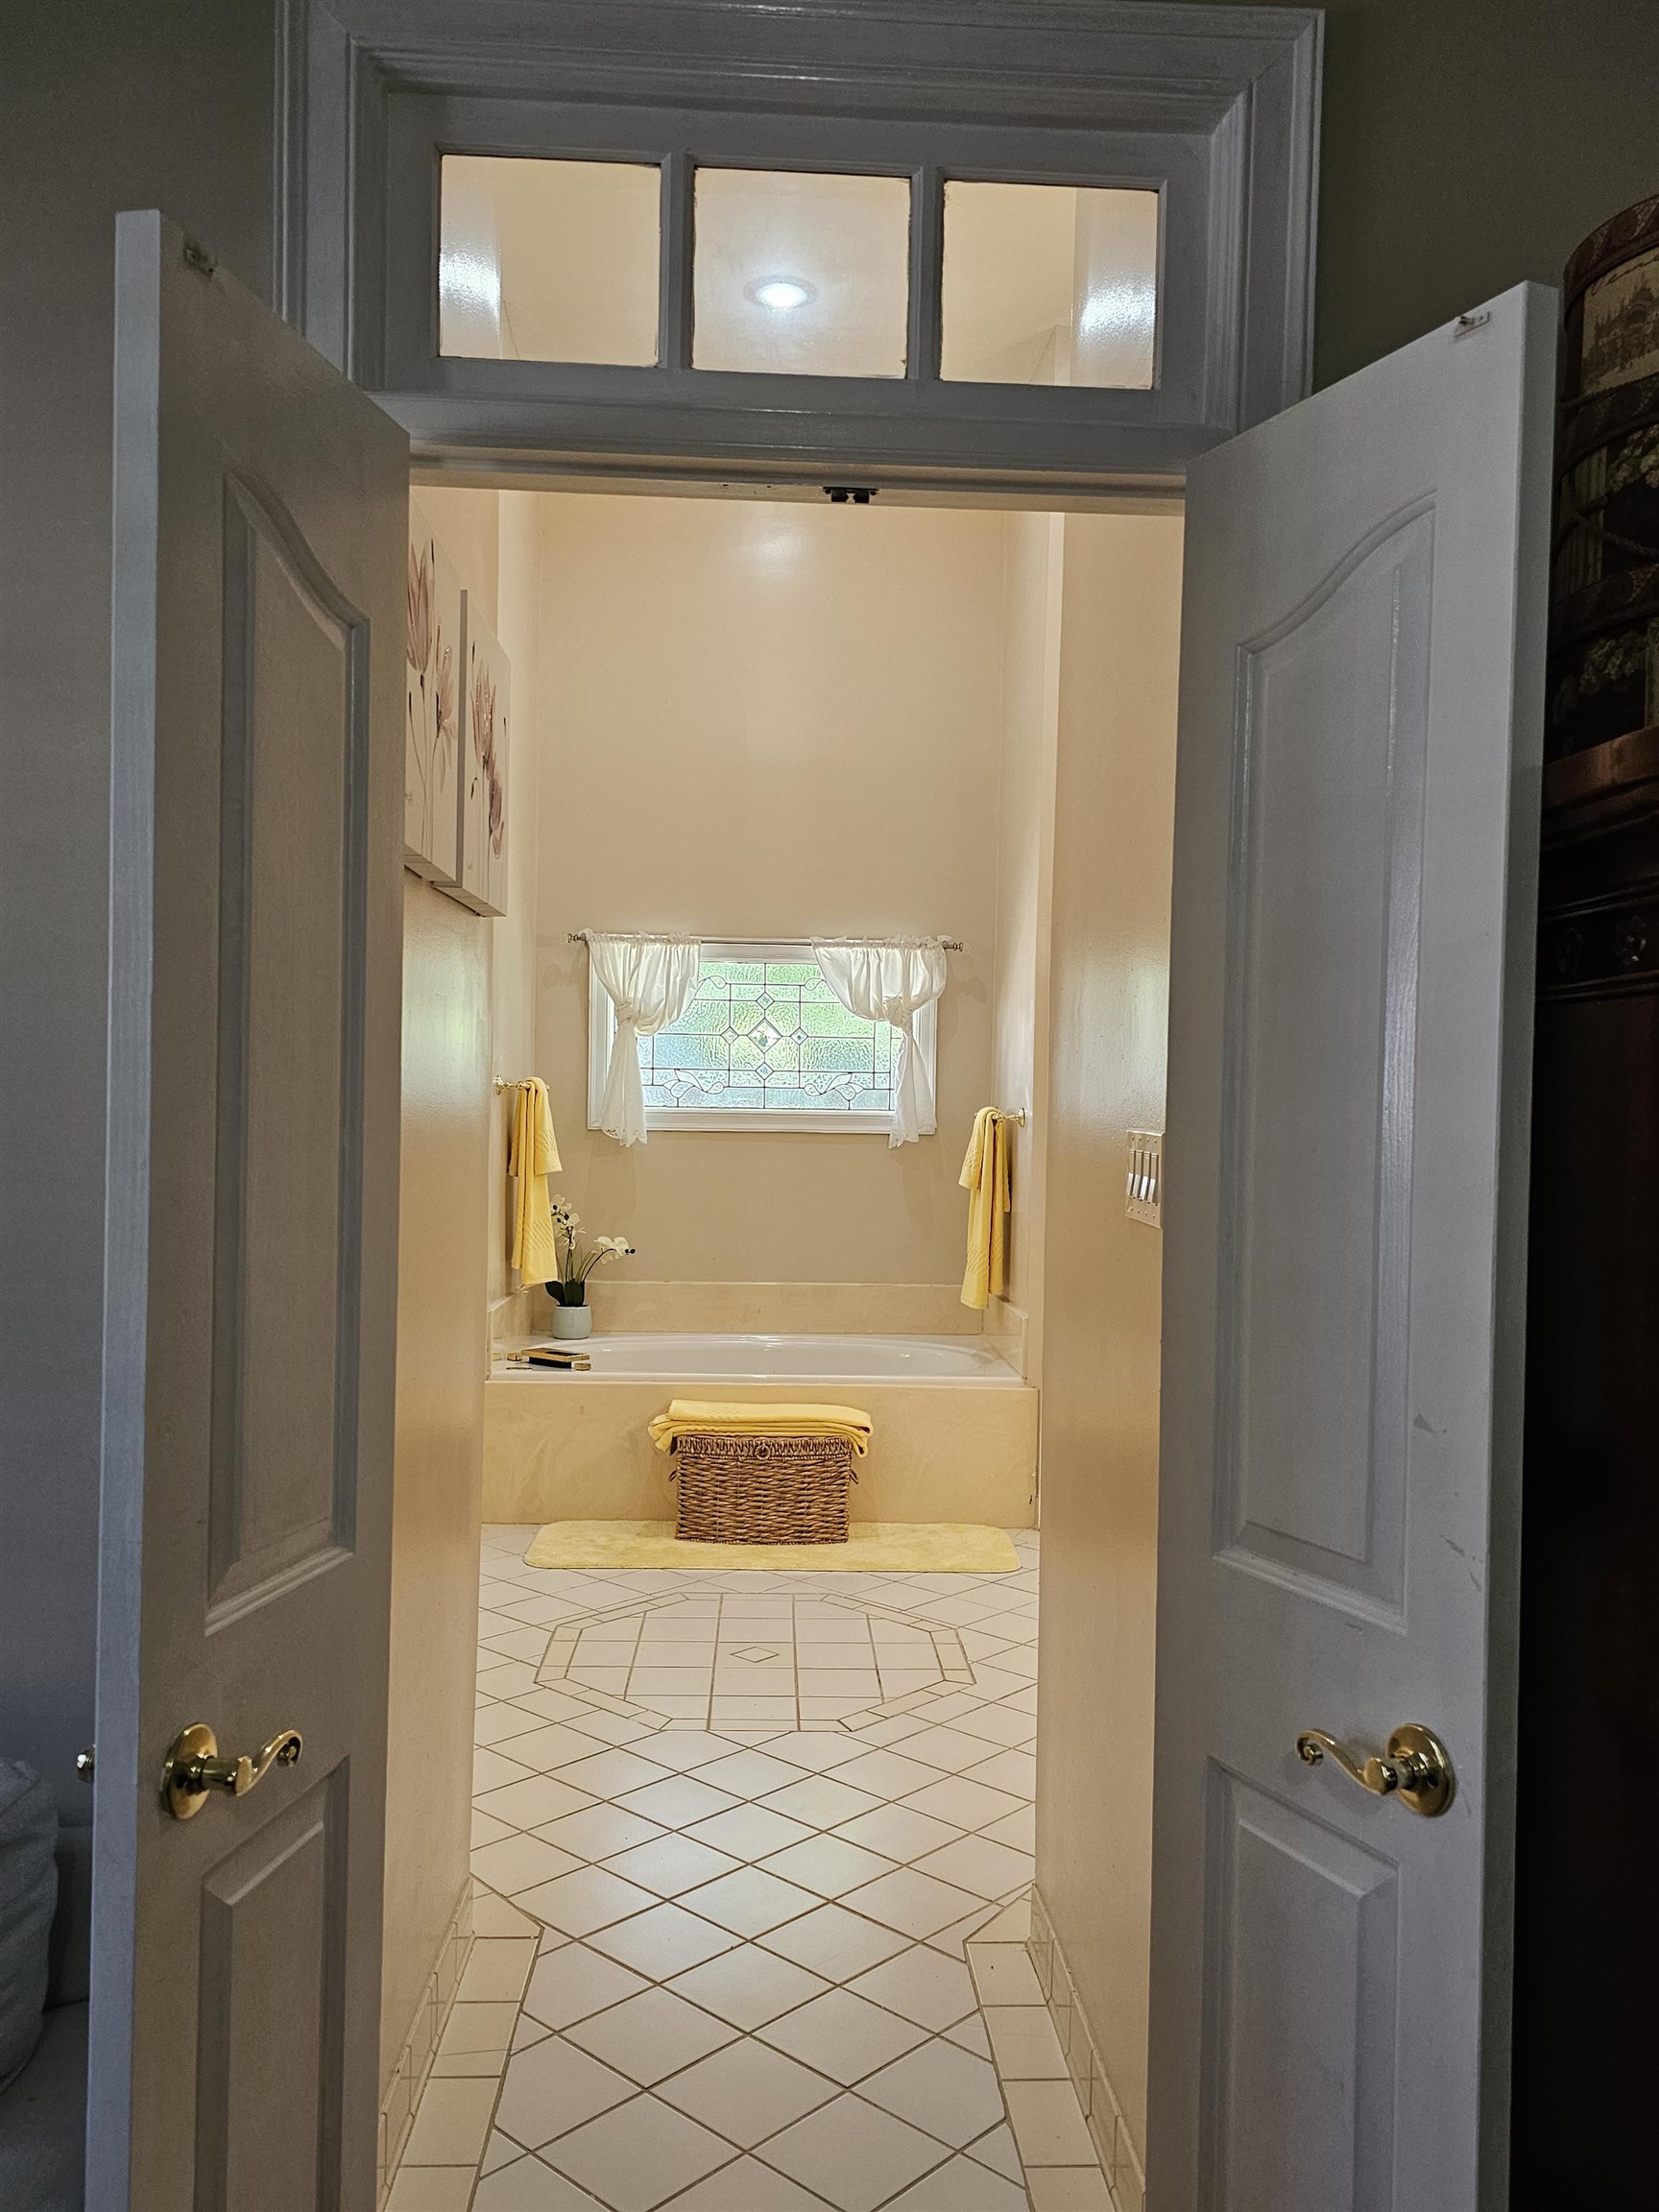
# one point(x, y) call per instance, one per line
point(434, 674)
point(481, 879)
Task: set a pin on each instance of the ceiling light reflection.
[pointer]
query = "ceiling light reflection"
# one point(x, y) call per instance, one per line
point(1124, 310)
point(781, 293)
point(470, 281)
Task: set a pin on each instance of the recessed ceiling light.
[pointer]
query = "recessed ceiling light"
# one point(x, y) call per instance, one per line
point(780, 292)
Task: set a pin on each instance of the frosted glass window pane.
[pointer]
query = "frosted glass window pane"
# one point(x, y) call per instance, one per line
point(802, 274)
point(1049, 284)
point(548, 260)
point(767, 1035)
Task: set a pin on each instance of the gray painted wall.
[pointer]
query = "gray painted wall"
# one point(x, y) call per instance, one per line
point(1468, 143)
point(105, 106)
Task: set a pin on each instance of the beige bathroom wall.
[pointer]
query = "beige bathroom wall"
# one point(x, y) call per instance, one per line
point(1115, 790)
point(440, 1432)
point(1033, 567)
point(467, 527)
point(437, 1474)
point(770, 719)
point(495, 540)
point(512, 938)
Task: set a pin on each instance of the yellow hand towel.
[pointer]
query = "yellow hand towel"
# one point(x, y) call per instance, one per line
point(985, 1178)
point(706, 1417)
point(533, 1157)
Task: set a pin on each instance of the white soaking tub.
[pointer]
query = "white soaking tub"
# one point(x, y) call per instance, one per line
point(699, 1360)
point(954, 1424)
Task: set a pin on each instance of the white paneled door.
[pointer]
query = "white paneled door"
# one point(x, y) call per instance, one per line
point(1357, 825)
point(260, 519)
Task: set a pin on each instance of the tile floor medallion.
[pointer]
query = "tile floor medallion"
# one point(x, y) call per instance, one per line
point(750, 1855)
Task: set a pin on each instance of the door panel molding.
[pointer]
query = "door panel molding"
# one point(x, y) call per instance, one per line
point(1216, 107)
point(1301, 1995)
point(282, 816)
point(276, 1898)
point(1303, 1281)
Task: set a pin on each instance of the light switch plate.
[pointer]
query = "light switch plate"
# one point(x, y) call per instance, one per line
point(1143, 1182)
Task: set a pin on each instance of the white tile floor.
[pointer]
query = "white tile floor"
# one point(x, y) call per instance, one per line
point(752, 1853)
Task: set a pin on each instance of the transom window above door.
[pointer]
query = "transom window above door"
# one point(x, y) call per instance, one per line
point(870, 243)
point(797, 272)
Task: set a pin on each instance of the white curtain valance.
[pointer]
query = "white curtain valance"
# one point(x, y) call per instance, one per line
point(892, 983)
point(650, 981)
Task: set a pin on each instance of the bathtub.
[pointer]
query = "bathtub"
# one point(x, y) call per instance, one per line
point(697, 1359)
point(954, 1425)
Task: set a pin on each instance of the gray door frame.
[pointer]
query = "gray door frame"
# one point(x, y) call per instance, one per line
point(1218, 109)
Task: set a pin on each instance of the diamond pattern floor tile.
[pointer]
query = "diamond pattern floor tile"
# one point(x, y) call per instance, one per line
point(663, 1942)
point(941, 2090)
point(750, 1902)
point(551, 2087)
point(920, 1986)
point(751, 1824)
point(640, 2154)
point(748, 1986)
point(528, 2185)
point(843, 2036)
point(961, 2186)
point(834, 1942)
point(747, 2092)
point(854, 2154)
point(652, 2035)
point(915, 1903)
point(573, 1982)
point(673, 1864)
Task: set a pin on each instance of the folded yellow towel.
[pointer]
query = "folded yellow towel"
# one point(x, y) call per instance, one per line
point(705, 1417)
point(985, 1177)
point(533, 1156)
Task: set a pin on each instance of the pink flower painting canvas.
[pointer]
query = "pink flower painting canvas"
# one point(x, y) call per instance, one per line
point(481, 879)
point(432, 711)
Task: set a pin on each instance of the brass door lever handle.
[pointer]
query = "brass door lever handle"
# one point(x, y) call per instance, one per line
point(1415, 1766)
point(194, 1767)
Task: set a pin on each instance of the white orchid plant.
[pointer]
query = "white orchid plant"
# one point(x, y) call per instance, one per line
point(579, 1254)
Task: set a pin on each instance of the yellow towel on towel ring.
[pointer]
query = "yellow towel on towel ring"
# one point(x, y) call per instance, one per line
point(985, 1177)
point(707, 1417)
point(533, 1156)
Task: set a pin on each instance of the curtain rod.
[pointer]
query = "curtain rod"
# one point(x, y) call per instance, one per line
point(672, 937)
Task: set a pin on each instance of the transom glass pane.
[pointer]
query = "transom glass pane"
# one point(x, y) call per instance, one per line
point(542, 260)
point(767, 1035)
point(803, 274)
point(1049, 284)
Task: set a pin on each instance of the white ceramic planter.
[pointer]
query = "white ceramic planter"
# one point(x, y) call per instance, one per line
point(573, 1320)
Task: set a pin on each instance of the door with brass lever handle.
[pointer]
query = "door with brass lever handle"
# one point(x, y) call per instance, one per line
point(194, 1769)
point(1416, 1767)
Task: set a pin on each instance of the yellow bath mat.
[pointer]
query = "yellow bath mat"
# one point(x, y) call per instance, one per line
point(873, 1548)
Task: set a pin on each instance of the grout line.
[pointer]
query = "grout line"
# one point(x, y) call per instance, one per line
point(985, 1910)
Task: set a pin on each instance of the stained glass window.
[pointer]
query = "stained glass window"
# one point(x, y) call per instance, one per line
point(766, 1038)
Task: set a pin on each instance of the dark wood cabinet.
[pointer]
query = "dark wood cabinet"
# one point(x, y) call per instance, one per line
point(1586, 2068)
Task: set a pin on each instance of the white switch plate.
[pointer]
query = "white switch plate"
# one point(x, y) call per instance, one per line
point(1144, 1181)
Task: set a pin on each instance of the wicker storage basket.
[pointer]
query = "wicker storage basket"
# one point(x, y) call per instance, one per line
point(764, 1489)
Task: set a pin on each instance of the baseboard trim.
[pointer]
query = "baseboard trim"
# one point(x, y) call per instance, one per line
point(420, 2045)
point(1120, 2155)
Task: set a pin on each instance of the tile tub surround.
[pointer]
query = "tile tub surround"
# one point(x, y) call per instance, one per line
point(738, 1961)
point(576, 1447)
point(800, 1308)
